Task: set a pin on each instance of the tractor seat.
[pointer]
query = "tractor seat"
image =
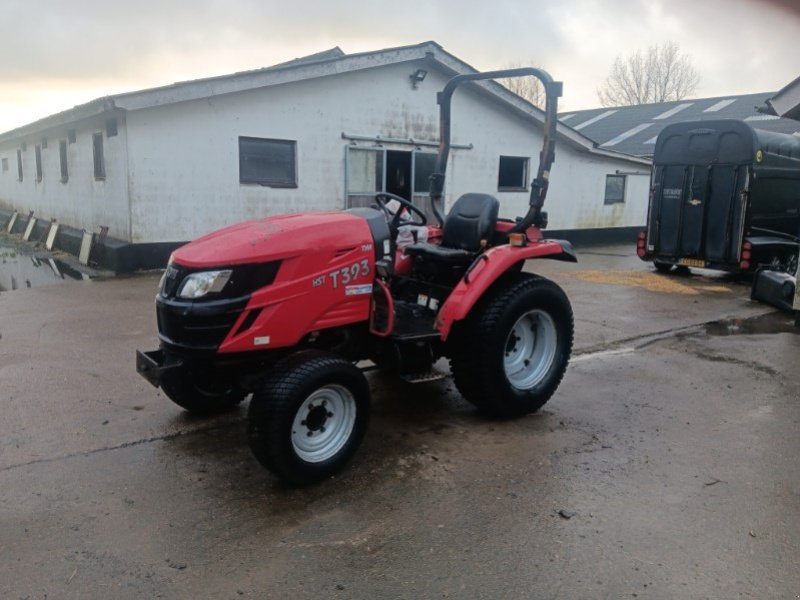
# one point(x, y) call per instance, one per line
point(468, 226)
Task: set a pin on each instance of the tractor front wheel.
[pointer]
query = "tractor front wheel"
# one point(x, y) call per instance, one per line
point(509, 355)
point(201, 394)
point(308, 416)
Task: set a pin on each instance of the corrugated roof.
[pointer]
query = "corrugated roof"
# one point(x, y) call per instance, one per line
point(633, 129)
point(786, 102)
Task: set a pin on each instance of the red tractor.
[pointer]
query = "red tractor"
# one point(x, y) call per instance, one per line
point(287, 307)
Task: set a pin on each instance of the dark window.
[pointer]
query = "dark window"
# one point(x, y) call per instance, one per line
point(99, 160)
point(424, 164)
point(398, 173)
point(111, 127)
point(44, 142)
point(38, 152)
point(19, 164)
point(615, 189)
point(5, 165)
point(513, 174)
point(71, 137)
point(268, 162)
point(62, 154)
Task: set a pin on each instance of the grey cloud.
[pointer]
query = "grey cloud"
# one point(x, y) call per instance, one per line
point(90, 39)
point(738, 45)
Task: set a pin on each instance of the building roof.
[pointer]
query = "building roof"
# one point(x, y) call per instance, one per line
point(326, 63)
point(634, 129)
point(786, 102)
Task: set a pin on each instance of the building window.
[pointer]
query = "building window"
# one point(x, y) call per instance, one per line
point(99, 160)
point(364, 173)
point(62, 155)
point(512, 175)
point(38, 152)
point(5, 165)
point(19, 164)
point(615, 189)
point(111, 127)
point(268, 162)
point(424, 166)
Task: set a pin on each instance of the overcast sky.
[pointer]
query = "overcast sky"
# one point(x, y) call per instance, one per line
point(57, 54)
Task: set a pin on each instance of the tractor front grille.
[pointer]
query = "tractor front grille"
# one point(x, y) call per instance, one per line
point(197, 326)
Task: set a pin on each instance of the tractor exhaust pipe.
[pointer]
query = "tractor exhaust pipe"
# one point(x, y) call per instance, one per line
point(552, 89)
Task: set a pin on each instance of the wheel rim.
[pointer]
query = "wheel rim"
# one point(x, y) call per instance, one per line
point(530, 349)
point(323, 423)
point(791, 264)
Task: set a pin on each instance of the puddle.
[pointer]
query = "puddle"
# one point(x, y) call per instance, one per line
point(763, 324)
point(20, 271)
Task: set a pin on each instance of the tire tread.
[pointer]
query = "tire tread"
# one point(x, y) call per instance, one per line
point(272, 406)
point(469, 361)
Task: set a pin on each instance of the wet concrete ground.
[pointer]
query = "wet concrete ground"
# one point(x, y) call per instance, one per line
point(671, 445)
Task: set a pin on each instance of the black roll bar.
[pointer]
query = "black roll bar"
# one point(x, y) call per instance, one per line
point(552, 90)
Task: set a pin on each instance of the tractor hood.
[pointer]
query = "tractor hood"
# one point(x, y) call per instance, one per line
point(274, 238)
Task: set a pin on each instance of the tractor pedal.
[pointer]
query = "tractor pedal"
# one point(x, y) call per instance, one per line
point(423, 377)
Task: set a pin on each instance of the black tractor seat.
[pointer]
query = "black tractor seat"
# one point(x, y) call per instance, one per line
point(450, 256)
point(468, 227)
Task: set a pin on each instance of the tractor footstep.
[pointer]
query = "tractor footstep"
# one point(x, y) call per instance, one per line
point(423, 377)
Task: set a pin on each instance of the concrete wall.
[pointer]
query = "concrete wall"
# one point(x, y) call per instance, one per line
point(81, 201)
point(184, 169)
point(184, 159)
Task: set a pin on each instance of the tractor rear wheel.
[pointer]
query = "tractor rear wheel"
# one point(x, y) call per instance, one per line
point(308, 416)
point(509, 355)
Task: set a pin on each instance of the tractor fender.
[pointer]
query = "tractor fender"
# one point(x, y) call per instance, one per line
point(769, 241)
point(487, 269)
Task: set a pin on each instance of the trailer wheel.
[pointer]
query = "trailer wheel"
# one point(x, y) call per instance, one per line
point(193, 393)
point(308, 416)
point(662, 267)
point(509, 355)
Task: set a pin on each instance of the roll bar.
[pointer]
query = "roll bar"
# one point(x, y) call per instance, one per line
point(552, 90)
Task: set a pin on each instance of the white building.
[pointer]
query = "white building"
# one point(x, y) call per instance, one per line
point(320, 133)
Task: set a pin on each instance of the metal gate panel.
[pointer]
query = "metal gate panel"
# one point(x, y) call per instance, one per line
point(721, 208)
point(668, 203)
point(693, 214)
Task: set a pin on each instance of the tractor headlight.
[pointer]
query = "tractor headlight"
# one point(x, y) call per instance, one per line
point(198, 285)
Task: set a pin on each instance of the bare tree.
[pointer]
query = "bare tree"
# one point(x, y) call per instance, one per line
point(529, 88)
point(661, 74)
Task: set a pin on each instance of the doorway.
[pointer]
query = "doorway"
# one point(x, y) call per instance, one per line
point(398, 173)
point(405, 173)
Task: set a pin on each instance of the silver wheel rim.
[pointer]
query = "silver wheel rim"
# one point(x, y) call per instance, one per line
point(530, 349)
point(791, 264)
point(323, 423)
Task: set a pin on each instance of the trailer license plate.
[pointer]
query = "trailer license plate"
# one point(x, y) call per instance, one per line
point(692, 262)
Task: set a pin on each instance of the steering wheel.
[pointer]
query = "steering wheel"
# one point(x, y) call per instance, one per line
point(396, 219)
